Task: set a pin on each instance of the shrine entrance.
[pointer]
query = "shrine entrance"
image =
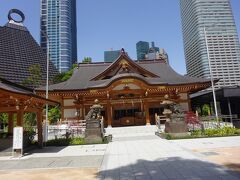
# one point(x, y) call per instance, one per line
point(128, 115)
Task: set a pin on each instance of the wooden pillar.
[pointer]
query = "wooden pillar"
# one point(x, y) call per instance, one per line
point(10, 122)
point(146, 110)
point(83, 111)
point(39, 128)
point(62, 109)
point(189, 102)
point(109, 114)
point(20, 114)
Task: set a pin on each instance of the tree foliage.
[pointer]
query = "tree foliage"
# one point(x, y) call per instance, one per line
point(54, 114)
point(4, 117)
point(87, 60)
point(35, 76)
point(64, 76)
point(206, 110)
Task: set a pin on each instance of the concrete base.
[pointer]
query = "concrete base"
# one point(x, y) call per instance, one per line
point(179, 134)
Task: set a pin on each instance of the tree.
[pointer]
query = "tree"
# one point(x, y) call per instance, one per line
point(206, 110)
point(3, 120)
point(35, 76)
point(54, 114)
point(64, 76)
point(30, 120)
point(87, 60)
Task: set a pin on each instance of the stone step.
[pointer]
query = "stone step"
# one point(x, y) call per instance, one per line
point(132, 131)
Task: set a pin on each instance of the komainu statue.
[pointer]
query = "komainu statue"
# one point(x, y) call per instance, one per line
point(93, 133)
point(95, 111)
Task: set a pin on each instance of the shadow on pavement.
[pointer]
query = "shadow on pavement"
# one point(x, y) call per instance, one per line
point(6, 144)
point(47, 149)
point(168, 168)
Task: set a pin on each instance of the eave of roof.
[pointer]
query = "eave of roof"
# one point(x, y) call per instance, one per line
point(13, 88)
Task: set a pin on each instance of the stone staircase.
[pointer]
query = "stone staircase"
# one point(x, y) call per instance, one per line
point(131, 132)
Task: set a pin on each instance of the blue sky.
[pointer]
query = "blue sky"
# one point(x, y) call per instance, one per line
point(106, 24)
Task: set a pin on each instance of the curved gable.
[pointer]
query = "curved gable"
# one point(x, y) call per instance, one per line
point(123, 65)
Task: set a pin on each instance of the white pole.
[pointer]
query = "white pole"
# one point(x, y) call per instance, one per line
point(46, 120)
point(211, 76)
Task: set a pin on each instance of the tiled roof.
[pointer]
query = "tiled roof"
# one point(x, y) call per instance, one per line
point(19, 50)
point(16, 88)
point(11, 87)
point(83, 75)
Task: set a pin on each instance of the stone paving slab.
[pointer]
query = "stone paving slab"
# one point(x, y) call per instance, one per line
point(52, 162)
point(64, 151)
point(201, 143)
point(156, 158)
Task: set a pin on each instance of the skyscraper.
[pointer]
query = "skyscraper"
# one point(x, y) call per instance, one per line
point(142, 49)
point(58, 26)
point(110, 56)
point(221, 37)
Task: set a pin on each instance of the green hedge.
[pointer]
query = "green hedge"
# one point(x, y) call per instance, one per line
point(220, 132)
point(70, 141)
point(225, 131)
point(65, 142)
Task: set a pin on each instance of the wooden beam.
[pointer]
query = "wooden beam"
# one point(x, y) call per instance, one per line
point(8, 109)
point(10, 122)
point(146, 109)
point(15, 109)
point(109, 114)
point(189, 102)
point(20, 114)
point(39, 128)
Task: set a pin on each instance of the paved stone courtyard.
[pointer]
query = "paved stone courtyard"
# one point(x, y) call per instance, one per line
point(140, 155)
point(154, 158)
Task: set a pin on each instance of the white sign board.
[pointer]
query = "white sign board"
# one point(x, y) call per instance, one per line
point(18, 138)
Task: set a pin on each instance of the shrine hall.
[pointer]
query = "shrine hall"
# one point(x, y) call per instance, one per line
point(131, 92)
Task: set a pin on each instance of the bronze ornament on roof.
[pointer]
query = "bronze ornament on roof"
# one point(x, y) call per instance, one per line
point(16, 11)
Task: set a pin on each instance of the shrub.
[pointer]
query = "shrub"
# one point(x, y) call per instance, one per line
point(77, 141)
point(168, 136)
point(69, 141)
point(237, 131)
point(3, 135)
point(225, 131)
point(196, 133)
point(65, 142)
point(210, 132)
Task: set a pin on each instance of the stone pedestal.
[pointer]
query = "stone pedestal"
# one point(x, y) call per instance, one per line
point(176, 127)
point(93, 132)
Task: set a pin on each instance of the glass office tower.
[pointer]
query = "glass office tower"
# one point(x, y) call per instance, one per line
point(222, 40)
point(58, 26)
point(142, 49)
point(110, 56)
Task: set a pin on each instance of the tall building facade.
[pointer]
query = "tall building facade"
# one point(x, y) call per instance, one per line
point(142, 49)
point(220, 35)
point(59, 32)
point(110, 56)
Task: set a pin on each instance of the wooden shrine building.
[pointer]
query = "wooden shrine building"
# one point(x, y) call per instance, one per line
point(17, 99)
point(131, 92)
